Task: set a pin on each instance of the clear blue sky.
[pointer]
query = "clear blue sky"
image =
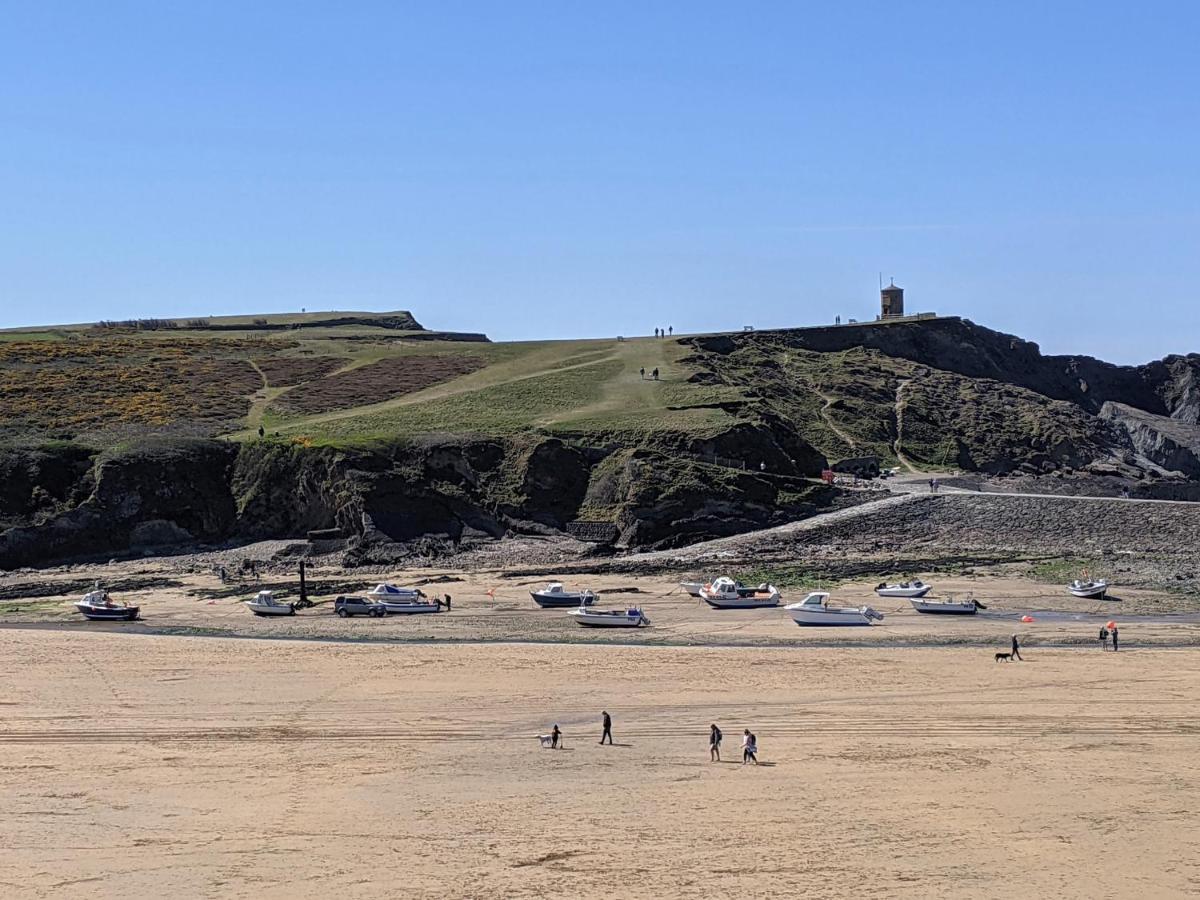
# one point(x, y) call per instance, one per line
point(568, 169)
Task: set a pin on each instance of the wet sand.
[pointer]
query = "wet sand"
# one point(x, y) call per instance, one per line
point(164, 766)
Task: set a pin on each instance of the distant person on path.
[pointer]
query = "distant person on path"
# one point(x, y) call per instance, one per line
point(655, 374)
point(931, 485)
point(656, 332)
point(714, 743)
point(642, 371)
point(1103, 638)
point(607, 720)
point(1114, 637)
point(1016, 649)
point(837, 320)
point(447, 596)
point(670, 329)
point(749, 748)
point(555, 736)
point(262, 432)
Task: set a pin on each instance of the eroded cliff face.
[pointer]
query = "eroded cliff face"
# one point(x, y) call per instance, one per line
point(68, 504)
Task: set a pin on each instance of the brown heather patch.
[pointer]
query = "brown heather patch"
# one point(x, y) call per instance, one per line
point(82, 386)
point(285, 370)
point(383, 380)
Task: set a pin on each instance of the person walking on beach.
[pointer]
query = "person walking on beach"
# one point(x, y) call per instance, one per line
point(1016, 649)
point(655, 374)
point(1103, 638)
point(1114, 637)
point(642, 372)
point(607, 721)
point(749, 748)
point(714, 743)
point(555, 736)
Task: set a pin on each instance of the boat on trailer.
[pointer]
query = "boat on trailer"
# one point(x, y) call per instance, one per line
point(948, 606)
point(609, 618)
point(905, 589)
point(387, 591)
point(400, 606)
point(815, 610)
point(555, 596)
point(265, 604)
point(100, 607)
point(725, 593)
point(1088, 590)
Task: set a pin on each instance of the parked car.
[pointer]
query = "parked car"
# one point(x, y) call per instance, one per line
point(358, 606)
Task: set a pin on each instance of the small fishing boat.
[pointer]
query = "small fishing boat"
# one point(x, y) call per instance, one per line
point(692, 587)
point(1088, 590)
point(948, 606)
point(815, 610)
point(388, 591)
point(265, 604)
point(609, 618)
point(725, 593)
point(905, 589)
point(555, 596)
point(97, 605)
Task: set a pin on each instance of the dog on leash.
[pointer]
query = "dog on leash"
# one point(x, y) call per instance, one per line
point(1003, 657)
point(547, 740)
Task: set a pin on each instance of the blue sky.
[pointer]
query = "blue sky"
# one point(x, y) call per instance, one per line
point(566, 169)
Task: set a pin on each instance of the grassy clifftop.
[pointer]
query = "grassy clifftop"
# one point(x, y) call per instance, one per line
point(932, 394)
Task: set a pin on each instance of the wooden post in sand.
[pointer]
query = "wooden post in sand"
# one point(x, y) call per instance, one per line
point(303, 586)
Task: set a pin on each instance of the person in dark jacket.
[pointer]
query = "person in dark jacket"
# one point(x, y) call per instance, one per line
point(555, 736)
point(1016, 648)
point(714, 743)
point(1114, 637)
point(607, 722)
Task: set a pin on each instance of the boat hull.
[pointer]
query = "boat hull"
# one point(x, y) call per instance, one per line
point(120, 614)
point(598, 620)
point(904, 593)
point(561, 601)
point(944, 609)
point(288, 610)
point(692, 587)
point(398, 609)
point(809, 620)
point(1094, 594)
point(741, 602)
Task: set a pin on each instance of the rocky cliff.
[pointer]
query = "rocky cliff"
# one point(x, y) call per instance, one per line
point(65, 503)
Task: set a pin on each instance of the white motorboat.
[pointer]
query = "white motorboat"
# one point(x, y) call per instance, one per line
point(904, 589)
point(265, 604)
point(556, 596)
point(948, 606)
point(1088, 590)
point(815, 610)
point(99, 606)
point(725, 593)
point(388, 591)
point(609, 618)
point(692, 587)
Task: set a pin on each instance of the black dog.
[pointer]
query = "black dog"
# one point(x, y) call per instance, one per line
point(1003, 657)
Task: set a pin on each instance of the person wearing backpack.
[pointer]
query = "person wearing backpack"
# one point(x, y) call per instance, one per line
point(714, 743)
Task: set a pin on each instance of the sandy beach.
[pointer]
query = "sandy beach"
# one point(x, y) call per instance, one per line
point(149, 766)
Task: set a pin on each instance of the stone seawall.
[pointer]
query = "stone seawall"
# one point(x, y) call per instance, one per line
point(1078, 526)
